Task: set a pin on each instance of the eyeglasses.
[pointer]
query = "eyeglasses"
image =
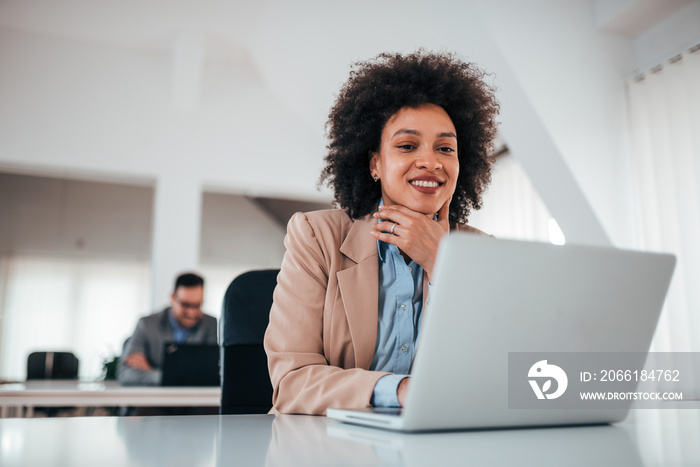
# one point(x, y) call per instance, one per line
point(194, 306)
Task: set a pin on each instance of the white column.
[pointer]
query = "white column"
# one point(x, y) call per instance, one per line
point(176, 229)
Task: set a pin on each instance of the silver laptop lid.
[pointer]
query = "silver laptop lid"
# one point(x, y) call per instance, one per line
point(492, 297)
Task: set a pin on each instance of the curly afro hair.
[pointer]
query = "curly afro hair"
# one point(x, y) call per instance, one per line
point(376, 90)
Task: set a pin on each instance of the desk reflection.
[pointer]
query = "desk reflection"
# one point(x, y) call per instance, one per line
point(302, 440)
point(659, 437)
point(313, 441)
point(574, 446)
point(163, 441)
point(243, 439)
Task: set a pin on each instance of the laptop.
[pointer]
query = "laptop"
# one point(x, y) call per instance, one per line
point(498, 301)
point(191, 365)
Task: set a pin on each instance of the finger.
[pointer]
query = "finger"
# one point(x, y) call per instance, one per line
point(385, 226)
point(399, 209)
point(397, 214)
point(386, 237)
point(402, 390)
point(401, 214)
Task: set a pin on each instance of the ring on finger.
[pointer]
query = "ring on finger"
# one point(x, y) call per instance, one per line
point(392, 229)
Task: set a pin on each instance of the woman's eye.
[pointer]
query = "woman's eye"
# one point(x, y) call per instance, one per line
point(446, 149)
point(406, 146)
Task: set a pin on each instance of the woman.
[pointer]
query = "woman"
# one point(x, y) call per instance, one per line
point(409, 137)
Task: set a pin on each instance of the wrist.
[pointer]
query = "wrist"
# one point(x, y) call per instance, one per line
point(402, 390)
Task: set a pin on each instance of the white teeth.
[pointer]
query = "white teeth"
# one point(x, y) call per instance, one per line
point(425, 184)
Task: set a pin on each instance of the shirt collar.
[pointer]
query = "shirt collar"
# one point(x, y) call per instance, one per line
point(381, 246)
point(175, 324)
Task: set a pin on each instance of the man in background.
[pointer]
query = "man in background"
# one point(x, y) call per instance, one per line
point(182, 322)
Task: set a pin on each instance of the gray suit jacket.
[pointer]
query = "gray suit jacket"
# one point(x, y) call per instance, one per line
point(149, 338)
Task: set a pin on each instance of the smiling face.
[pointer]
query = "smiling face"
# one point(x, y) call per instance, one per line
point(186, 305)
point(417, 162)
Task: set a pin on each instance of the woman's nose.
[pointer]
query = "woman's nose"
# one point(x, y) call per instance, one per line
point(427, 159)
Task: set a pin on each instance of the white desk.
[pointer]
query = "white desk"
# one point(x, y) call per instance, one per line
point(652, 437)
point(19, 396)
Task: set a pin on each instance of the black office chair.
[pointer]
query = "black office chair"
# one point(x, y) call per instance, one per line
point(245, 380)
point(52, 365)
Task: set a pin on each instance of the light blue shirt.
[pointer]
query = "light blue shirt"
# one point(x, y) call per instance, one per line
point(400, 307)
point(179, 333)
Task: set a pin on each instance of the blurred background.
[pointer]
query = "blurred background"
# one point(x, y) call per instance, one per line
point(140, 139)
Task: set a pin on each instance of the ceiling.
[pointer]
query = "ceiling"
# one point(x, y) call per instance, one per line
point(283, 209)
point(137, 23)
point(147, 23)
point(632, 17)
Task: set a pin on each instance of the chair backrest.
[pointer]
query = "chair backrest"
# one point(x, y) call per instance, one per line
point(52, 365)
point(245, 380)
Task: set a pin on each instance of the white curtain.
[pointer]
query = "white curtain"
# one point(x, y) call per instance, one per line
point(512, 207)
point(84, 305)
point(664, 115)
point(664, 119)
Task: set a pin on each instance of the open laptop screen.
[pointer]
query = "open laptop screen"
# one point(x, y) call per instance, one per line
point(191, 365)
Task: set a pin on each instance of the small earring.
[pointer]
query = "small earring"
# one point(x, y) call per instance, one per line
point(376, 177)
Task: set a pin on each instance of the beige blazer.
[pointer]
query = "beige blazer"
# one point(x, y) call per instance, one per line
point(323, 322)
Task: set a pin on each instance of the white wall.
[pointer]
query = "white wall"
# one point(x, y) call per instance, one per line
point(52, 216)
point(236, 237)
point(235, 230)
point(83, 106)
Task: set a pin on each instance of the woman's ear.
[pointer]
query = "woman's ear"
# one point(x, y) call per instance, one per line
point(373, 157)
